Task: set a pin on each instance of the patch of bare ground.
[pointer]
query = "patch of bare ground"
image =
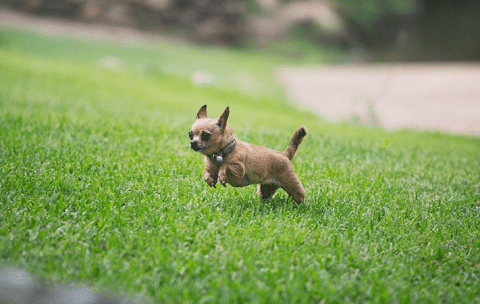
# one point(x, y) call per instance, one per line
point(437, 97)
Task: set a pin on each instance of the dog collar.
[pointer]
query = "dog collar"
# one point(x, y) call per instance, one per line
point(219, 158)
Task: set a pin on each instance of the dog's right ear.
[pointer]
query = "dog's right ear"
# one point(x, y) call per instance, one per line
point(222, 120)
point(202, 113)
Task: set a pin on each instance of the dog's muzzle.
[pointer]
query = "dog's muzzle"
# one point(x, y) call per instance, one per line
point(196, 146)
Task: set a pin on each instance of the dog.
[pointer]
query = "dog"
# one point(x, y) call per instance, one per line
point(240, 164)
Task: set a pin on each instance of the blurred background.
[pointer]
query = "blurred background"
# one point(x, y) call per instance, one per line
point(413, 39)
point(375, 30)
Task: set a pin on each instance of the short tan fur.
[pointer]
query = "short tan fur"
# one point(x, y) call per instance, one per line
point(244, 164)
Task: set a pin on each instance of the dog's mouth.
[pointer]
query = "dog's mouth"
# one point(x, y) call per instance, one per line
point(195, 146)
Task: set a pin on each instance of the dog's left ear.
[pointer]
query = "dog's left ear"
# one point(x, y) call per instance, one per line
point(222, 120)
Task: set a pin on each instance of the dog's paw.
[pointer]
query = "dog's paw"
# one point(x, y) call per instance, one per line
point(222, 178)
point(211, 181)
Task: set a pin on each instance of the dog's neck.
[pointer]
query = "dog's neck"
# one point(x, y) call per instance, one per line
point(219, 157)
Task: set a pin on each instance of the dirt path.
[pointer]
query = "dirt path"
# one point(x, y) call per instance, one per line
point(442, 97)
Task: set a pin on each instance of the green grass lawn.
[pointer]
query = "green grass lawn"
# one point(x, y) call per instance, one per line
point(98, 187)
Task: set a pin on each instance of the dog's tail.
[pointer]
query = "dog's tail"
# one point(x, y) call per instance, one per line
point(295, 142)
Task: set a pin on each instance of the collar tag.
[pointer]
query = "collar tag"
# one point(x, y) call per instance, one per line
point(219, 158)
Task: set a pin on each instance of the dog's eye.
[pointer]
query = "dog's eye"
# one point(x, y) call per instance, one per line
point(206, 136)
point(190, 134)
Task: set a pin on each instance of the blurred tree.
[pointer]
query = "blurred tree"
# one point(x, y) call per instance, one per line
point(367, 12)
point(446, 30)
point(377, 24)
point(414, 30)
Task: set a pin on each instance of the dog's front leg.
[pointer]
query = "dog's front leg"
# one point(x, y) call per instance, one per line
point(236, 170)
point(222, 175)
point(211, 179)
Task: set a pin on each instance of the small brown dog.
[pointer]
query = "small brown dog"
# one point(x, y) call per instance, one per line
point(239, 163)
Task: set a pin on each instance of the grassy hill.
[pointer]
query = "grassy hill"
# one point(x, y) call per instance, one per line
point(98, 186)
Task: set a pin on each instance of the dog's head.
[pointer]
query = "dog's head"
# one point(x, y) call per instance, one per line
point(209, 135)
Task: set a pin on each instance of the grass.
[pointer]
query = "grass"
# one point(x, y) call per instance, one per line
point(251, 73)
point(98, 187)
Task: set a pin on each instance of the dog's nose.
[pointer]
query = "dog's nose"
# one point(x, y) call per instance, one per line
point(195, 146)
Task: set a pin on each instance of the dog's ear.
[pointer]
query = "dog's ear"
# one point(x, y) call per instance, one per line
point(202, 113)
point(222, 120)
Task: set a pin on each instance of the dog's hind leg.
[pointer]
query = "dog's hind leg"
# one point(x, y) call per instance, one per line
point(292, 185)
point(296, 192)
point(266, 191)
